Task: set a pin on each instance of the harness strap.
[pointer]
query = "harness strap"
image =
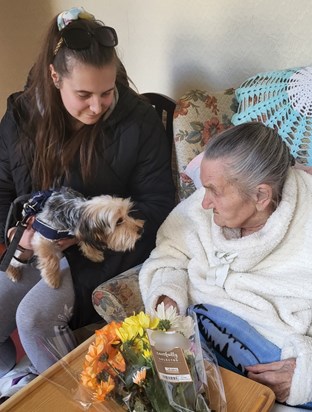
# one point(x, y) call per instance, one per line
point(32, 204)
point(13, 213)
point(49, 232)
point(9, 254)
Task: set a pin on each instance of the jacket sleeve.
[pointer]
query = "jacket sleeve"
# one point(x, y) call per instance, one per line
point(152, 187)
point(299, 347)
point(165, 272)
point(14, 177)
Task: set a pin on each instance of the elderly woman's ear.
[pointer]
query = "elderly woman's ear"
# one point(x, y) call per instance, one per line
point(263, 197)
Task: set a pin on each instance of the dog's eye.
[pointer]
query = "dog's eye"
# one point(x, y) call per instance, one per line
point(119, 221)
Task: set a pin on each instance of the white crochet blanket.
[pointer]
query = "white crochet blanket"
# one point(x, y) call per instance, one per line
point(265, 278)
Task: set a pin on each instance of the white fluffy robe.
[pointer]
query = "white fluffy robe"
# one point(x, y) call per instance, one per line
point(265, 278)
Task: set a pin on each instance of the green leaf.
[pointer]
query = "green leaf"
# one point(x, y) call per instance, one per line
point(193, 137)
point(197, 126)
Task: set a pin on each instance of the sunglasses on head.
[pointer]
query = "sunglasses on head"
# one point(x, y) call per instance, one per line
point(78, 38)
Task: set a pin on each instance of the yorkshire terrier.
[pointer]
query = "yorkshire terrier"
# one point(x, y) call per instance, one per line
point(102, 222)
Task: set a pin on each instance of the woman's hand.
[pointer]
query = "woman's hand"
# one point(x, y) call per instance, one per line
point(167, 302)
point(25, 241)
point(275, 375)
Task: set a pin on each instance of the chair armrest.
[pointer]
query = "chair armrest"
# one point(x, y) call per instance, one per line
point(119, 297)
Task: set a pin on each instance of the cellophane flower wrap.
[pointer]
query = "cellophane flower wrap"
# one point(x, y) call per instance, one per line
point(120, 365)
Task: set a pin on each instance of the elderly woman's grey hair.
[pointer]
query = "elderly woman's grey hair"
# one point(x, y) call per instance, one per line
point(253, 154)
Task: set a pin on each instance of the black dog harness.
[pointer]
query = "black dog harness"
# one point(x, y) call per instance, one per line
point(49, 232)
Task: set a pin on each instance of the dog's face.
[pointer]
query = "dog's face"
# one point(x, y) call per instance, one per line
point(105, 222)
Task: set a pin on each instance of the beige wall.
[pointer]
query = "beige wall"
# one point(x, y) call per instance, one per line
point(21, 27)
point(171, 45)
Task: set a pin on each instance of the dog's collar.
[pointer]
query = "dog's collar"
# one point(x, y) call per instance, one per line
point(49, 232)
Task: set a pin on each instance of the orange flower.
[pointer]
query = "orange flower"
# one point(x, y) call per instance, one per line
point(139, 377)
point(109, 331)
point(103, 361)
point(106, 354)
point(103, 389)
point(88, 378)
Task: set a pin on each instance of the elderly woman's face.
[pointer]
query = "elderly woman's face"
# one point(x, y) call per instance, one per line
point(230, 208)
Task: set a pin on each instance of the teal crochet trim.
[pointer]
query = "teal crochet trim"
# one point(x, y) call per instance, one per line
point(266, 97)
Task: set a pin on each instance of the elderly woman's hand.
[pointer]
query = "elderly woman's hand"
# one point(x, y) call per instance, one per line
point(167, 302)
point(275, 375)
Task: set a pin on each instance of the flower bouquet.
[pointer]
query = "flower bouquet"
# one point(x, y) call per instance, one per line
point(151, 363)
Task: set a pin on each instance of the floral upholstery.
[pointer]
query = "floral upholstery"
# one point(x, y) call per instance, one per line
point(199, 115)
point(119, 297)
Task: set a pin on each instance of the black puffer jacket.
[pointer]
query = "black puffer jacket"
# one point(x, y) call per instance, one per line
point(134, 161)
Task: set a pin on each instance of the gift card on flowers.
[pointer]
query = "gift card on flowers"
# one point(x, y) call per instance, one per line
point(168, 355)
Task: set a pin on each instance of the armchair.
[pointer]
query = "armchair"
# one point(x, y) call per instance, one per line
point(279, 99)
point(198, 115)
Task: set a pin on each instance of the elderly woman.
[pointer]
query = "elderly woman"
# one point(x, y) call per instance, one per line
point(239, 249)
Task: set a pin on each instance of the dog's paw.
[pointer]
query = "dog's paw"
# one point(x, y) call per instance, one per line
point(96, 256)
point(91, 253)
point(52, 279)
point(53, 283)
point(14, 273)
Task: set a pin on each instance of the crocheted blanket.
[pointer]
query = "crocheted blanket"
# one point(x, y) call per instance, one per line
point(283, 100)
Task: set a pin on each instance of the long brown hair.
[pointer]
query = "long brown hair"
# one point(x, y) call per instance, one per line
point(47, 139)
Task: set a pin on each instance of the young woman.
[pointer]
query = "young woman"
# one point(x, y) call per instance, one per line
point(76, 124)
point(239, 251)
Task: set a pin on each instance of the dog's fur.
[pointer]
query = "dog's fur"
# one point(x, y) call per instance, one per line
point(99, 223)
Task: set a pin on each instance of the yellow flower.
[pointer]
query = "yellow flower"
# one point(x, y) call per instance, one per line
point(141, 343)
point(127, 332)
point(136, 325)
point(139, 376)
point(147, 353)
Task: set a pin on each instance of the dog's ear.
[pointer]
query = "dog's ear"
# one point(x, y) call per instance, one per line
point(91, 231)
point(94, 224)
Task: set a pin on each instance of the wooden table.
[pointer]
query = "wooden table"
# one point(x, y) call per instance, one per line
point(40, 395)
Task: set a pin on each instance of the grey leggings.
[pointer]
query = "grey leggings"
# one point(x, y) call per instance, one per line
point(41, 315)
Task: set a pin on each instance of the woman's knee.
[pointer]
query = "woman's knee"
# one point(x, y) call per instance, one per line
point(44, 308)
point(29, 317)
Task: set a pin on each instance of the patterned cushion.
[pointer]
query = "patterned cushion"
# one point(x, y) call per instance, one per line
point(199, 115)
point(283, 100)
